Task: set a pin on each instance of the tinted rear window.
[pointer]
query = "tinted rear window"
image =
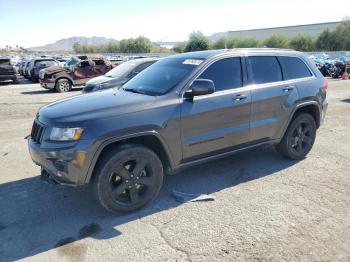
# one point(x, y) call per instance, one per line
point(294, 67)
point(264, 69)
point(225, 73)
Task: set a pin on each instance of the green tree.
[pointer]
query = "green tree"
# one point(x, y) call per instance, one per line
point(327, 41)
point(246, 42)
point(220, 43)
point(302, 43)
point(276, 41)
point(197, 41)
point(180, 47)
point(342, 34)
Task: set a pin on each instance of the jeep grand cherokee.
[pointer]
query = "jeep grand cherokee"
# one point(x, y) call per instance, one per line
point(183, 110)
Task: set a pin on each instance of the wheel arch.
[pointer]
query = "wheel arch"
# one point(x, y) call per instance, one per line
point(64, 77)
point(311, 107)
point(151, 140)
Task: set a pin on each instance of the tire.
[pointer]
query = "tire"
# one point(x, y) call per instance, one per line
point(63, 85)
point(299, 137)
point(128, 178)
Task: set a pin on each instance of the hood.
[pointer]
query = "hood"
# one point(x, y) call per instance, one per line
point(54, 69)
point(97, 105)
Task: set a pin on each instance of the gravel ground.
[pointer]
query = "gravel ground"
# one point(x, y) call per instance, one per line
point(266, 208)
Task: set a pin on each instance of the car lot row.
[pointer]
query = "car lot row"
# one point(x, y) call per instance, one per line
point(63, 74)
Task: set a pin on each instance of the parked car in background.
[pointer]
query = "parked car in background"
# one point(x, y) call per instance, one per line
point(119, 75)
point(61, 61)
point(118, 60)
point(20, 68)
point(37, 64)
point(8, 71)
point(76, 71)
point(184, 110)
point(25, 69)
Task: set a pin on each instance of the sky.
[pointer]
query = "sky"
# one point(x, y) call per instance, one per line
point(39, 22)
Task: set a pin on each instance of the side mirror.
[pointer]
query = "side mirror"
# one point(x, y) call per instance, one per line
point(200, 87)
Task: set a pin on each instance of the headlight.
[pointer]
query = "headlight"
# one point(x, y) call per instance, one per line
point(66, 133)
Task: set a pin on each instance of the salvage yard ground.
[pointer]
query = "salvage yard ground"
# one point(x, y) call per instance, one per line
point(266, 207)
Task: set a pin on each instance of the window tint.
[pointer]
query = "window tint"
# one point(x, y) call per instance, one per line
point(99, 62)
point(84, 64)
point(294, 67)
point(225, 73)
point(264, 69)
point(143, 66)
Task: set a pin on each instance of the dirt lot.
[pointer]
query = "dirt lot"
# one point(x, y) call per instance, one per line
point(266, 207)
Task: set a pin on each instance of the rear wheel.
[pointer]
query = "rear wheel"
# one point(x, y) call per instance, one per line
point(299, 137)
point(128, 178)
point(63, 85)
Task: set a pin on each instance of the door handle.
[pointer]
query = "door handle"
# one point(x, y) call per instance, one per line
point(288, 88)
point(239, 97)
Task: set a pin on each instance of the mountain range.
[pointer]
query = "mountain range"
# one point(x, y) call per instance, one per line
point(66, 44)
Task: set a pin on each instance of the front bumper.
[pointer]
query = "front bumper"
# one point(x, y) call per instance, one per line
point(67, 166)
point(47, 85)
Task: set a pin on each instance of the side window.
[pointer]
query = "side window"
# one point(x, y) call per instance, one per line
point(225, 73)
point(142, 67)
point(264, 69)
point(294, 67)
point(84, 64)
point(99, 62)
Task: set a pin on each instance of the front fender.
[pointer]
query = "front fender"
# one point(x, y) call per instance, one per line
point(112, 140)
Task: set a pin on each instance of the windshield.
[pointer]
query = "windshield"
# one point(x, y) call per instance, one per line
point(123, 69)
point(71, 62)
point(162, 76)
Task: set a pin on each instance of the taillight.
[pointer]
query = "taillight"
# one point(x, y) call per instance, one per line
point(325, 84)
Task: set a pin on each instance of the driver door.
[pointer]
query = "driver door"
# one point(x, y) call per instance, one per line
point(83, 72)
point(217, 122)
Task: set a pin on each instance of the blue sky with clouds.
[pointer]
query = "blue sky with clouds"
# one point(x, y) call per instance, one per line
point(38, 22)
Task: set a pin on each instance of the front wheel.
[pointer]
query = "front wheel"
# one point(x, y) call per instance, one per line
point(128, 178)
point(299, 137)
point(63, 85)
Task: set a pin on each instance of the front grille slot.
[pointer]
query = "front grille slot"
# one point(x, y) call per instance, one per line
point(37, 131)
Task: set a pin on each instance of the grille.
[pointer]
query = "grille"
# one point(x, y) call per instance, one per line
point(37, 131)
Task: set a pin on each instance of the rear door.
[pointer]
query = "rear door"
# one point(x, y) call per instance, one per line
point(220, 121)
point(273, 97)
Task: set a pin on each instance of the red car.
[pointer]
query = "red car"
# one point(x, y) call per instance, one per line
point(76, 71)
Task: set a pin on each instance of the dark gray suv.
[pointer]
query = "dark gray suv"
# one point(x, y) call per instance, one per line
point(183, 110)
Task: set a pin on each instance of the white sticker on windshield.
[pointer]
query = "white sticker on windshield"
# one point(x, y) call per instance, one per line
point(192, 62)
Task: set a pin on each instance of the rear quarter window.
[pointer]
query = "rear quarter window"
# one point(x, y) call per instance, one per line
point(264, 69)
point(294, 67)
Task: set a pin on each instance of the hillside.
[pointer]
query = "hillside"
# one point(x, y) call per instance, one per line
point(66, 44)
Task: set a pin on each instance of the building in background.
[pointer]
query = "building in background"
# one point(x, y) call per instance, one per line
point(288, 31)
